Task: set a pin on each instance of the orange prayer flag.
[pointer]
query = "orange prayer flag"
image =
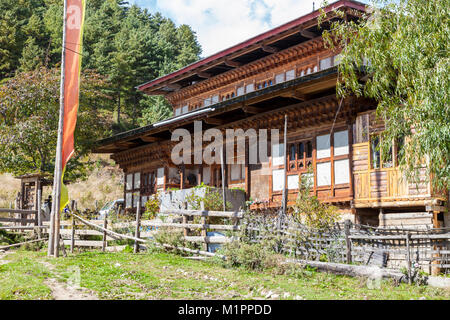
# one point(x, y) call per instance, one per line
point(74, 38)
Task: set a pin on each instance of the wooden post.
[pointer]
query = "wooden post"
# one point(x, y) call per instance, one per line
point(73, 208)
point(105, 226)
point(72, 236)
point(138, 225)
point(63, 247)
point(348, 242)
point(39, 213)
point(53, 245)
point(224, 197)
point(204, 231)
point(408, 256)
point(284, 198)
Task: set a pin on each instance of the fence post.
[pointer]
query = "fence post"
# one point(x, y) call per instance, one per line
point(348, 241)
point(72, 237)
point(105, 225)
point(408, 256)
point(204, 231)
point(39, 214)
point(138, 226)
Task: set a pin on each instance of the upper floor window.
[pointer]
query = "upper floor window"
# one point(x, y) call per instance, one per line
point(240, 91)
point(185, 109)
point(250, 88)
point(290, 75)
point(279, 78)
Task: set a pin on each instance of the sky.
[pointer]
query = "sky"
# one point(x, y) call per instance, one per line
point(220, 24)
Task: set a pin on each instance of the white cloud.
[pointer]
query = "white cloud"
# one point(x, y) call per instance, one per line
point(220, 24)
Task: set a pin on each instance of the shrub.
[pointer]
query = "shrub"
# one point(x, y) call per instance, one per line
point(309, 211)
point(152, 206)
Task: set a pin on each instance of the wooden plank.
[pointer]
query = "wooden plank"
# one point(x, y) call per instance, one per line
point(201, 213)
point(215, 240)
point(18, 211)
point(84, 243)
point(17, 220)
point(406, 215)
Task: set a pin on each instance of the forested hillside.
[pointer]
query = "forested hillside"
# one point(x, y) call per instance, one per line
point(125, 43)
point(124, 46)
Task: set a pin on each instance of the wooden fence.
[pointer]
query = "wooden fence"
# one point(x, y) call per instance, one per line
point(79, 232)
point(351, 243)
point(21, 218)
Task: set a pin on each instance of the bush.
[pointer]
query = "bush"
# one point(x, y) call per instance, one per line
point(309, 211)
point(152, 206)
point(239, 254)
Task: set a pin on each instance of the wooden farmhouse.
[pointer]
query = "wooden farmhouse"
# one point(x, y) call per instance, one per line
point(286, 71)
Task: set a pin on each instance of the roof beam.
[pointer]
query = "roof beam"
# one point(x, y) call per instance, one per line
point(269, 49)
point(205, 75)
point(214, 121)
point(252, 110)
point(233, 64)
point(150, 139)
point(174, 86)
point(308, 34)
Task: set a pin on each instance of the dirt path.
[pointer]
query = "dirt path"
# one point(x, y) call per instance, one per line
point(61, 291)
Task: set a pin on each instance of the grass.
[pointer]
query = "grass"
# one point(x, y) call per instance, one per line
point(159, 275)
point(23, 279)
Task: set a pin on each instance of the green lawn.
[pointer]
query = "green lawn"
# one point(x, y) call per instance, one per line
point(160, 275)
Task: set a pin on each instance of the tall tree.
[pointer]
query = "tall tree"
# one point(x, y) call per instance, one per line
point(29, 108)
point(403, 48)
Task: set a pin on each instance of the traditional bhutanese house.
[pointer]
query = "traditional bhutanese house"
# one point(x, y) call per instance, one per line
point(284, 71)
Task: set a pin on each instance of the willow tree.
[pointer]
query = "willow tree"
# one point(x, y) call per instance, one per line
point(397, 53)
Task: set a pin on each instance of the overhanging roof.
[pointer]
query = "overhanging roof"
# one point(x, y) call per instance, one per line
point(120, 141)
point(242, 53)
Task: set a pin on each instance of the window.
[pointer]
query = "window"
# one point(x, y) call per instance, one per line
point(128, 200)
point(133, 185)
point(177, 111)
point(237, 172)
point(300, 155)
point(290, 75)
point(315, 69)
point(380, 159)
point(206, 175)
point(160, 176)
point(137, 180)
point(341, 143)
point(278, 155)
point(325, 63)
point(374, 147)
point(278, 180)
point(185, 109)
point(279, 78)
point(129, 185)
point(341, 171)
point(207, 102)
point(250, 88)
point(240, 91)
point(293, 182)
point(323, 146)
point(324, 174)
point(215, 99)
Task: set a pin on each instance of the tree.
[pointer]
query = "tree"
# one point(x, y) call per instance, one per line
point(126, 44)
point(29, 112)
point(398, 55)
